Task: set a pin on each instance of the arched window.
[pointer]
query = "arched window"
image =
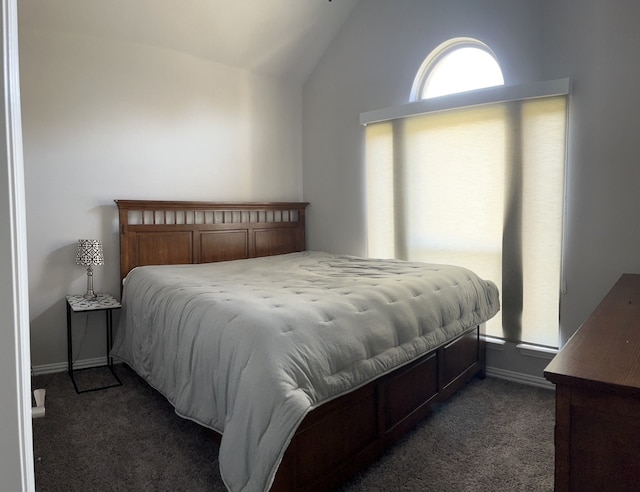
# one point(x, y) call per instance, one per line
point(458, 65)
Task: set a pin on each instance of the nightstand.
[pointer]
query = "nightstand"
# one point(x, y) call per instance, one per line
point(78, 304)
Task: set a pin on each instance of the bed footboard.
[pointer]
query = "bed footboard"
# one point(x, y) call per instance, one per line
point(339, 439)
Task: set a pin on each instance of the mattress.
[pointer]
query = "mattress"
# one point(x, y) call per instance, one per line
point(249, 347)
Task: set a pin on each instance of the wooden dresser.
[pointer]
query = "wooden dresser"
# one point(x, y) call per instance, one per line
point(597, 378)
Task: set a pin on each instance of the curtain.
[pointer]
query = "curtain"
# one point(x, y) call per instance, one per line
point(481, 187)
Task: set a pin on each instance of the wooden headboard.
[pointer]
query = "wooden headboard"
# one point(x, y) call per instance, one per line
point(176, 232)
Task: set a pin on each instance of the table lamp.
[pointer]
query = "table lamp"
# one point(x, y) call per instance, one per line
point(89, 254)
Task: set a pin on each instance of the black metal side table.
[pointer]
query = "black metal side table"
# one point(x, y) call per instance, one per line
point(78, 304)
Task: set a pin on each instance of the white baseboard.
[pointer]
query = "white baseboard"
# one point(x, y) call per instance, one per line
point(494, 372)
point(518, 377)
point(62, 366)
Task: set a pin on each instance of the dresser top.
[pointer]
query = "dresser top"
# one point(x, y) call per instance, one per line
point(605, 351)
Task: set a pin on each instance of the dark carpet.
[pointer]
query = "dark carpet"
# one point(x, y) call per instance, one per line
point(492, 435)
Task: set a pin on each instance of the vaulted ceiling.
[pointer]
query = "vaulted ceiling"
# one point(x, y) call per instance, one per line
point(283, 38)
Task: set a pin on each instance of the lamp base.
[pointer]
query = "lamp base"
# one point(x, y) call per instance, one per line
point(90, 294)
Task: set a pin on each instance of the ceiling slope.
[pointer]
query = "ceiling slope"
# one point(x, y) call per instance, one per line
point(283, 38)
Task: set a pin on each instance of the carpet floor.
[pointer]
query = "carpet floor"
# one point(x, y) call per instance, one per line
point(493, 435)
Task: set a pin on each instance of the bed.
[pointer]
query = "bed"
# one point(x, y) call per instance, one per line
point(305, 365)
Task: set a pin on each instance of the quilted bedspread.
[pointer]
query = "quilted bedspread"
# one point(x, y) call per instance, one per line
point(249, 347)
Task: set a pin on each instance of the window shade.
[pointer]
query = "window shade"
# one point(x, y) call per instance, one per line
point(481, 187)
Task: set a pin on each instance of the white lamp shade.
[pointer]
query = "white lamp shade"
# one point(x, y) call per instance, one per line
point(89, 252)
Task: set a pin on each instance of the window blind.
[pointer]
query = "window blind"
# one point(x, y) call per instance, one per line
point(481, 187)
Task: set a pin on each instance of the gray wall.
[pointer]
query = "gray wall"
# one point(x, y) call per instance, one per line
point(373, 61)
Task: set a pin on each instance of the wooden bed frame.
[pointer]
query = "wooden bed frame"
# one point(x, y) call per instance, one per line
point(340, 438)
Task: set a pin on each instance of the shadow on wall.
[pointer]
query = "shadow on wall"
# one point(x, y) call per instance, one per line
point(59, 274)
point(48, 334)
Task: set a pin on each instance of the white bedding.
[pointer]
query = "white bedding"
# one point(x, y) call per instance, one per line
point(248, 347)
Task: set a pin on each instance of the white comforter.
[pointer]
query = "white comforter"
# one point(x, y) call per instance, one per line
point(249, 347)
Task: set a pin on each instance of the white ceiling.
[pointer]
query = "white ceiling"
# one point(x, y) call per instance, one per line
point(283, 38)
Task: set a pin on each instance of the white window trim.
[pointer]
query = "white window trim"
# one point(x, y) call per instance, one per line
point(478, 97)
